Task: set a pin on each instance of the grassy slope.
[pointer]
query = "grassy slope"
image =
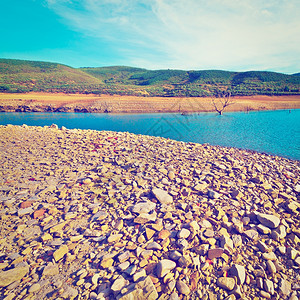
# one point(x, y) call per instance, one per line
point(23, 76)
point(20, 75)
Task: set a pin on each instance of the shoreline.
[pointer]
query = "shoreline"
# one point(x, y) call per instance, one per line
point(46, 102)
point(113, 215)
point(256, 152)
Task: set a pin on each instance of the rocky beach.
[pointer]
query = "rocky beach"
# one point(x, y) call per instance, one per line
point(111, 215)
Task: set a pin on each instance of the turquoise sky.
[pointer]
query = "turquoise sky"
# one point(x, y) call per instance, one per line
point(156, 34)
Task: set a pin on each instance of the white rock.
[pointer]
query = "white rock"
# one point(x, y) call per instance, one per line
point(164, 267)
point(238, 271)
point(162, 196)
point(183, 233)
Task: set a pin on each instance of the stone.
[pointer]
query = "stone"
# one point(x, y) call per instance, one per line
point(143, 289)
point(39, 213)
point(182, 288)
point(53, 126)
point(174, 296)
point(252, 234)
point(119, 284)
point(183, 233)
point(149, 233)
point(269, 286)
point(215, 253)
point(34, 288)
point(10, 296)
point(297, 261)
point(236, 194)
point(262, 246)
point(183, 262)
point(69, 293)
point(285, 287)
point(175, 255)
point(144, 207)
point(205, 223)
point(293, 296)
point(113, 238)
point(226, 283)
point(123, 266)
point(164, 267)
point(213, 194)
point(146, 254)
point(25, 204)
point(263, 229)
point(106, 263)
point(271, 267)
point(171, 175)
point(162, 196)
point(50, 270)
point(237, 240)
point(208, 233)
point(12, 275)
point(140, 274)
point(145, 218)
point(60, 253)
point(25, 211)
point(163, 234)
point(269, 256)
point(153, 246)
point(201, 187)
point(183, 244)
point(194, 227)
point(239, 272)
point(270, 221)
point(279, 233)
point(100, 215)
point(95, 279)
point(226, 243)
point(124, 256)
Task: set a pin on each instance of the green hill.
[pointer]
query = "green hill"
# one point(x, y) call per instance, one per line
point(26, 76)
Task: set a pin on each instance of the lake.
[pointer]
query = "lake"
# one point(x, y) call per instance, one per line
point(273, 132)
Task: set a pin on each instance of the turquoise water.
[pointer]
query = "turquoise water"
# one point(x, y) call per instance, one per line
point(273, 132)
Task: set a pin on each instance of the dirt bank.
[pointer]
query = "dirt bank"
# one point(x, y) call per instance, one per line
point(131, 104)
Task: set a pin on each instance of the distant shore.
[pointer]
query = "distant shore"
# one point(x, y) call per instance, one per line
point(56, 102)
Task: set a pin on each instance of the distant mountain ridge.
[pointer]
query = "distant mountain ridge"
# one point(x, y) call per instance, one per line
point(26, 76)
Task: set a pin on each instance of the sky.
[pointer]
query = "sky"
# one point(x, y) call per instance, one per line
point(233, 35)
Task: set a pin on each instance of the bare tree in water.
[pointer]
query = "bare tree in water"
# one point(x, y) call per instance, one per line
point(221, 101)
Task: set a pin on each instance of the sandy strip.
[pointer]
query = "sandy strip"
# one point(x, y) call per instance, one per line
point(133, 104)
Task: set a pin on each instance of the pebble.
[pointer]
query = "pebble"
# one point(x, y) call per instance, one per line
point(60, 253)
point(270, 221)
point(239, 272)
point(226, 283)
point(34, 288)
point(119, 284)
point(162, 196)
point(12, 275)
point(183, 233)
point(182, 288)
point(215, 253)
point(165, 266)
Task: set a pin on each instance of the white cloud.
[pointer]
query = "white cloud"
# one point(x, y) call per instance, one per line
point(193, 34)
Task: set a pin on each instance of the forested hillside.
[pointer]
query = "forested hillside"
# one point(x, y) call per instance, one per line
point(18, 76)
